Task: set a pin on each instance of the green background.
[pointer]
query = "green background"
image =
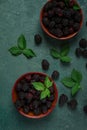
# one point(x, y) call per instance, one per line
point(22, 17)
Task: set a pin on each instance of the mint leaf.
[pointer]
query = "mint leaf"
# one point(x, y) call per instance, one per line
point(28, 53)
point(47, 82)
point(15, 51)
point(54, 53)
point(65, 50)
point(21, 42)
point(65, 59)
point(76, 76)
point(68, 82)
point(76, 7)
point(38, 86)
point(45, 93)
point(75, 89)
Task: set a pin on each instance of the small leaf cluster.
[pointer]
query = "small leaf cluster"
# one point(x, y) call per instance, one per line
point(20, 48)
point(43, 87)
point(73, 81)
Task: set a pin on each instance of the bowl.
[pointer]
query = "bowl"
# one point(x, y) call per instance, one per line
point(53, 29)
point(46, 104)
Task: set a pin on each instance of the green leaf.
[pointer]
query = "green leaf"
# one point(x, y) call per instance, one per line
point(65, 50)
point(76, 7)
point(65, 59)
point(21, 42)
point(75, 89)
point(38, 86)
point(76, 76)
point(54, 53)
point(15, 51)
point(47, 82)
point(45, 93)
point(28, 53)
point(68, 82)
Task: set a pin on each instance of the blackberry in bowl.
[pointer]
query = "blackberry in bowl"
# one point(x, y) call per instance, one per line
point(61, 19)
point(35, 95)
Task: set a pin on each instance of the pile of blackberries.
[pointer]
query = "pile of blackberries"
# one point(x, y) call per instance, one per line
point(28, 98)
point(61, 19)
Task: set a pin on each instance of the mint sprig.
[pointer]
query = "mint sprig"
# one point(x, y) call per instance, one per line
point(43, 87)
point(73, 81)
point(21, 48)
point(62, 55)
point(76, 7)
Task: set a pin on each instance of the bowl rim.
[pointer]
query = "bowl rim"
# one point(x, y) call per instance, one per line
point(31, 115)
point(64, 37)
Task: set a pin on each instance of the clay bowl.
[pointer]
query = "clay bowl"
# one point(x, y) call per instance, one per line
point(46, 30)
point(26, 78)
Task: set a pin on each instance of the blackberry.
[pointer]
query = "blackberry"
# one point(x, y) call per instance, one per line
point(21, 95)
point(28, 78)
point(51, 24)
point(58, 32)
point(29, 97)
point(61, 4)
point(48, 103)
point(83, 43)
point(36, 104)
point(65, 22)
point(51, 98)
point(84, 53)
point(78, 17)
point(72, 104)
point(18, 87)
point(63, 99)
point(67, 13)
point(44, 109)
point(59, 26)
point(38, 39)
point(36, 77)
point(51, 89)
point(37, 111)
point(85, 109)
point(18, 104)
point(59, 12)
point(43, 100)
point(25, 87)
point(55, 74)
point(45, 64)
point(26, 109)
point(57, 20)
point(65, 31)
point(45, 21)
point(76, 26)
point(50, 13)
point(78, 52)
point(71, 23)
point(48, 6)
point(71, 30)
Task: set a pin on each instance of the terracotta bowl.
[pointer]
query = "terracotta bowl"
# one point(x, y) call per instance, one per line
point(63, 37)
point(30, 114)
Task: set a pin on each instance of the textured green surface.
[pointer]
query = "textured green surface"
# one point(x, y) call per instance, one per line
point(22, 16)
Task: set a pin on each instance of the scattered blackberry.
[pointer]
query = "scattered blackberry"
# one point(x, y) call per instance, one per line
point(72, 104)
point(84, 53)
point(78, 52)
point(63, 99)
point(45, 64)
point(38, 39)
point(85, 109)
point(55, 74)
point(83, 43)
point(26, 109)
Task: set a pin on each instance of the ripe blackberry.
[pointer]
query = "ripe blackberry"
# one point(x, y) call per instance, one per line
point(71, 30)
point(76, 26)
point(45, 21)
point(63, 99)
point(61, 4)
point(71, 23)
point(25, 87)
point(38, 39)
point(78, 52)
point(57, 20)
point(58, 32)
point(51, 24)
point(50, 13)
point(45, 64)
point(48, 103)
point(37, 111)
point(44, 109)
point(84, 53)
point(78, 17)
point(51, 89)
point(36, 77)
point(67, 14)
point(83, 43)
point(18, 104)
point(36, 104)
point(19, 87)
point(85, 109)
point(66, 31)
point(21, 95)
point(51, 98)
point(48, 6)
point(55, 74)
point(65, 22)
point(72, 104)
point(26, 109)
